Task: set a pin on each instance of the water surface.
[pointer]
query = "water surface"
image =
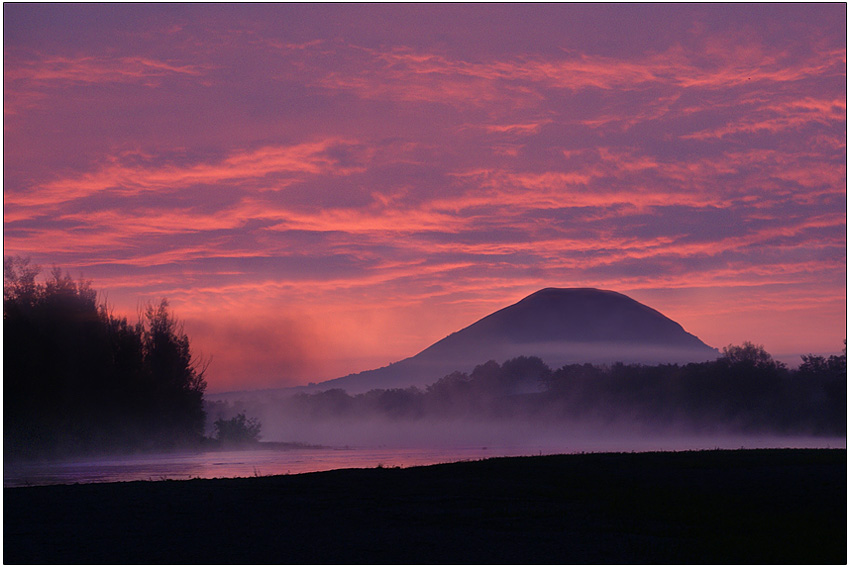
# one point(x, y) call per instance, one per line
point(263, 462)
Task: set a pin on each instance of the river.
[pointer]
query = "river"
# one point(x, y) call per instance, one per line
point(262, 462)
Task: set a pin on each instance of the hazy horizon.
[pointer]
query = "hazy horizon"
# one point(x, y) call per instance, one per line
point(324, 189)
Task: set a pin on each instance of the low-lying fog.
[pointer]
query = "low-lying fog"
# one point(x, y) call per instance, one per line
point(366, 440)
point(519, 407)
point(561, 435)
point(579, 407)
point(283, 421)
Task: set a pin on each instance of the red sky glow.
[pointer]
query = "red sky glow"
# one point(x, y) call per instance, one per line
point(320, 189)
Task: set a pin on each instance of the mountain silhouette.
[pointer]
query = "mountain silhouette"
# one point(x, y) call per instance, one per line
point(561, 326)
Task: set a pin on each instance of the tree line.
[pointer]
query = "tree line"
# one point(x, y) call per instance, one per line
point(78, 379)
point(744, 390)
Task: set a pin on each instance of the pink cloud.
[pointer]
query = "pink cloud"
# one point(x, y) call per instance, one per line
point(409, 75)
point(55, 71)
point(775, 118)
point(380, 183)
point(291, 162)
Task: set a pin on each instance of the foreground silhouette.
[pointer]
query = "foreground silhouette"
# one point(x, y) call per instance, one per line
point(78, 380)
point(709, 507)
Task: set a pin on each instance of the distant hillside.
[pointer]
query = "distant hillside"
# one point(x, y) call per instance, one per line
point(561, 326)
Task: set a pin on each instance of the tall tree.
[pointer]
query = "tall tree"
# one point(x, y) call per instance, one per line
point(76, 378)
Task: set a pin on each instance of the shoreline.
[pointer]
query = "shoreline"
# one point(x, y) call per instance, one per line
point(708, 506)
point(259, 461)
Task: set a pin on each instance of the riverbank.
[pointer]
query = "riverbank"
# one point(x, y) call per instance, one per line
point(747, 506)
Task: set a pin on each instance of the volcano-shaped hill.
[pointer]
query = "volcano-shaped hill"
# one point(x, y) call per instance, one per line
point(561, 326)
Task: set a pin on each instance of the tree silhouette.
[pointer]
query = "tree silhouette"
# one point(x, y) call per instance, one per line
point(237, 431)
point(524, 374)
point(176, 382)
point(78, 379)
point(749, 354)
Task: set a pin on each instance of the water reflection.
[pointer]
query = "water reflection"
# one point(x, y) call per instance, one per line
point(231, 464)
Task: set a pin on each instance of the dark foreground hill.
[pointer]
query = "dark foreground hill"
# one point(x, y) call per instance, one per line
point(561, 326)
point(748, 506)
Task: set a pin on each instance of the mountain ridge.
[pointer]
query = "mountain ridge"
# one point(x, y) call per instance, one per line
point(560, 325)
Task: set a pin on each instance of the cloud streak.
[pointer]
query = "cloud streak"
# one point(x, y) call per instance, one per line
point(387, 185)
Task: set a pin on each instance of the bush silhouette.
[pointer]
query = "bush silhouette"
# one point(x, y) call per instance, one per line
point(237, 430)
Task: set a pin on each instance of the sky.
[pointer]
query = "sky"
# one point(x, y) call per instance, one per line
point(320, 189)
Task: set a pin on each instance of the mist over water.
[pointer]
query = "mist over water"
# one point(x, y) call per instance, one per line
point(519, 407)
point(547, 433)
point(378, 443)
point(333, 430)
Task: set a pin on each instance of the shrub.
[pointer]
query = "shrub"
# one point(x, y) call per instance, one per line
point(237, 430)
